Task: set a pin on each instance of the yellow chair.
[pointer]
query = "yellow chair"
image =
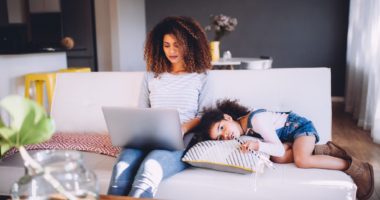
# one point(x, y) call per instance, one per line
point(39, 79)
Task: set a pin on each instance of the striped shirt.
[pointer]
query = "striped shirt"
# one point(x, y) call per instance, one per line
point(188, 93)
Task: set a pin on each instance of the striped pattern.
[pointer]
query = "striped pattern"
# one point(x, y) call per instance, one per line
point(226, 156)
point(184, 92)
point(96, 143)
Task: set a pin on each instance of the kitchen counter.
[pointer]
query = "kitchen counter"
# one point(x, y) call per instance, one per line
point(13, 67)
point(39, 50)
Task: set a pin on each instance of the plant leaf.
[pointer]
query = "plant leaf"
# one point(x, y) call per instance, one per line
point(30, 123)
point(4, 148)
point(43, 129)
point(7, 135)
point(1, 123)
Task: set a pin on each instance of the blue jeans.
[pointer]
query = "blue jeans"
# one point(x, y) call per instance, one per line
point(138, 173)
point(295, 127)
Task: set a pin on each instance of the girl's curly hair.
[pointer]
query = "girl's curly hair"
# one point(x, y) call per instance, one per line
point(189, 34)
point(213, 115)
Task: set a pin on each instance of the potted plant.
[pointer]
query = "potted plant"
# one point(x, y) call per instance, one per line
point(221, 25)
point(30, 124)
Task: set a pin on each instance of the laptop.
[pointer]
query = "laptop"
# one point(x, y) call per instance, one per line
point(144, 128)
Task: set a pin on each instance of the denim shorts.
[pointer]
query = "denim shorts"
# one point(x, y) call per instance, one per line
point(296, 126)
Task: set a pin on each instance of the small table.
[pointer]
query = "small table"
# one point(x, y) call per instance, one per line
point(243, 63)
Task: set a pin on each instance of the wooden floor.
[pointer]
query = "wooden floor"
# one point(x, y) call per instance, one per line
point(356, 141)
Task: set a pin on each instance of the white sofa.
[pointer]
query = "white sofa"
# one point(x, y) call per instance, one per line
point(77, 108)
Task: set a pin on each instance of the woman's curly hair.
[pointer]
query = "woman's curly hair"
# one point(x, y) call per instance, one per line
point(189, 34)
point(213, 115)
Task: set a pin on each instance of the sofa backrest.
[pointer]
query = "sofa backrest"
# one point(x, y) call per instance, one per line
point(79, 97)
point(306, 91)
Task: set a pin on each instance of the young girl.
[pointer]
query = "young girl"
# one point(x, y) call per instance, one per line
point(230, 120)
point(177, 56)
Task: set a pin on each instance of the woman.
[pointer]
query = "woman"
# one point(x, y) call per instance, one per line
point(177, 57)
point(229, 120)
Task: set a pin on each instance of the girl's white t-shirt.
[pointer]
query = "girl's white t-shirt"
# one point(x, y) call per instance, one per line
point(266, 124)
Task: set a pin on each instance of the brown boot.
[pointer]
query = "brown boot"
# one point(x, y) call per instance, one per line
point(362, 175)
point(331, 149)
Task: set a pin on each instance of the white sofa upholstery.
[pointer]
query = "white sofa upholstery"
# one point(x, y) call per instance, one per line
point(77, 108)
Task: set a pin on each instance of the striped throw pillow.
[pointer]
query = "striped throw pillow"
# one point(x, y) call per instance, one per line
point(226, 156)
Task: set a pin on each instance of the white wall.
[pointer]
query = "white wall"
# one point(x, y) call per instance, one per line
point(120, 30)
point(103, 37)
point(131, 34)
point(114, 32)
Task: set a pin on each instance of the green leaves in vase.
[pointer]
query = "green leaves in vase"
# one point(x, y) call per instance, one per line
point(29, 124)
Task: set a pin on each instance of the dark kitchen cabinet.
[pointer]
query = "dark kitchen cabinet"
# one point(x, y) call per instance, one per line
point(3, 12)
point(40, 25)
point(78, 22)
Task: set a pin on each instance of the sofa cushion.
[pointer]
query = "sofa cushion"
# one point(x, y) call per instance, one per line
point(79, 97)
point(197, 183)
point(285, 182)
point(226, 156)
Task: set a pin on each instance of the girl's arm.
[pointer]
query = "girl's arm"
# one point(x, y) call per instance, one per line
point(187, 126)
point(262, 124)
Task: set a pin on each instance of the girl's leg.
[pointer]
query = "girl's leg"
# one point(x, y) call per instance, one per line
point(124, 171)
point(157, 165)
point(288, 156)
point(360, 172)
point(303, 149)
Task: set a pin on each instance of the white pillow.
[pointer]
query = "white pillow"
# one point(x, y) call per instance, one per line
point(226, 156)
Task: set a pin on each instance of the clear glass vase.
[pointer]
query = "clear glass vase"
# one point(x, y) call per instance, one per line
point(64, 177)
